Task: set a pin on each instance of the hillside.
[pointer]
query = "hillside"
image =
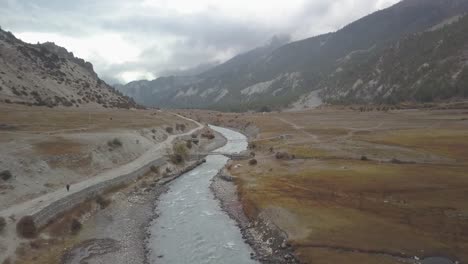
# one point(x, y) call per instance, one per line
point(288, 73)
point(424, 67)
point(49, 75)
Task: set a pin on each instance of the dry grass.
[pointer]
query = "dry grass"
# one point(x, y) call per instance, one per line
point(334, 200)
point(450, 143)
point(58, 146)
point(43, 119)
point(44, 251)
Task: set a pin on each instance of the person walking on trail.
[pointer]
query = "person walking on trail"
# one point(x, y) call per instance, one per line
point(68, 187)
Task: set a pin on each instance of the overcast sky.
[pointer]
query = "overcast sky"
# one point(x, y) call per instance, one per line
point(141, 39)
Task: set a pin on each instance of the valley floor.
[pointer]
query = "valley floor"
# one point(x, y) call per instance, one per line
point(357, 187)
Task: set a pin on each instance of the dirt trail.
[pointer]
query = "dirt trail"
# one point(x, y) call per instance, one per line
point(299, 128)
point(26, 208)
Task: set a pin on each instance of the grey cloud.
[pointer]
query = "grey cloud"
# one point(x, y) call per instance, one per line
point(200, 29)
point(200, 37)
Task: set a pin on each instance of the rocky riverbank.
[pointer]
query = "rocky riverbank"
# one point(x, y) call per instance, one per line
point(266, 239)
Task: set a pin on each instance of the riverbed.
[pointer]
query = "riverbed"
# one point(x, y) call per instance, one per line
point(191, 227)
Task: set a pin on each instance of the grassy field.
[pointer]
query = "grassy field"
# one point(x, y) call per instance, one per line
point(42, 119)
point(363, 187)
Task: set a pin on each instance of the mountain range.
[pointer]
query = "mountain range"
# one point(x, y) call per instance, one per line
point(414, 50)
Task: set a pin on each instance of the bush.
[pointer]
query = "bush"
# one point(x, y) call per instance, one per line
point(396, 161)
point(102, 202)
point(180, 149)
point(26, 227)
point(252, 145)
point(176, 159)
point(115, 143)
point(154, 169)
point(5, 175)
point(364, 158)
point(2, 224)
point(194, 135)
point(253, 162)
point(75, 226)
point(208, 134)
point(169, 130)
point(180, 127)
point(188, 144)
point(282, 155)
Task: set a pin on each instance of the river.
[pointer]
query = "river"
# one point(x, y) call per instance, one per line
point(192, 227)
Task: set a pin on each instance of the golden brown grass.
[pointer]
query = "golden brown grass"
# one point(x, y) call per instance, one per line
point(58, 146)
point(338, 201)
point(43, 119)
point(450, 143)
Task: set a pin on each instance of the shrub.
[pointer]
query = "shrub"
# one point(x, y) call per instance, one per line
point(180, 149)
point(176, 159)
point(189, 144)
point(75, 226)
point(102, 202)
point(155, 169)
point(253, 162)
point(194, 135)
point(282, 155)
point(396, 161)
point(2, 223)
point(169, 130)
point(208, 134)
point(252, 145)
point(115, 143)
point(5, 175)
point(364, 158)
point(26, 227)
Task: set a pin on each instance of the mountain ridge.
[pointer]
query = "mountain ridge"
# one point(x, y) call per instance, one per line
point(291, 72)
point(48, 75)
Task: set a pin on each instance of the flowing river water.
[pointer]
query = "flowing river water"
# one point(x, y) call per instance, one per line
point(192, 227)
